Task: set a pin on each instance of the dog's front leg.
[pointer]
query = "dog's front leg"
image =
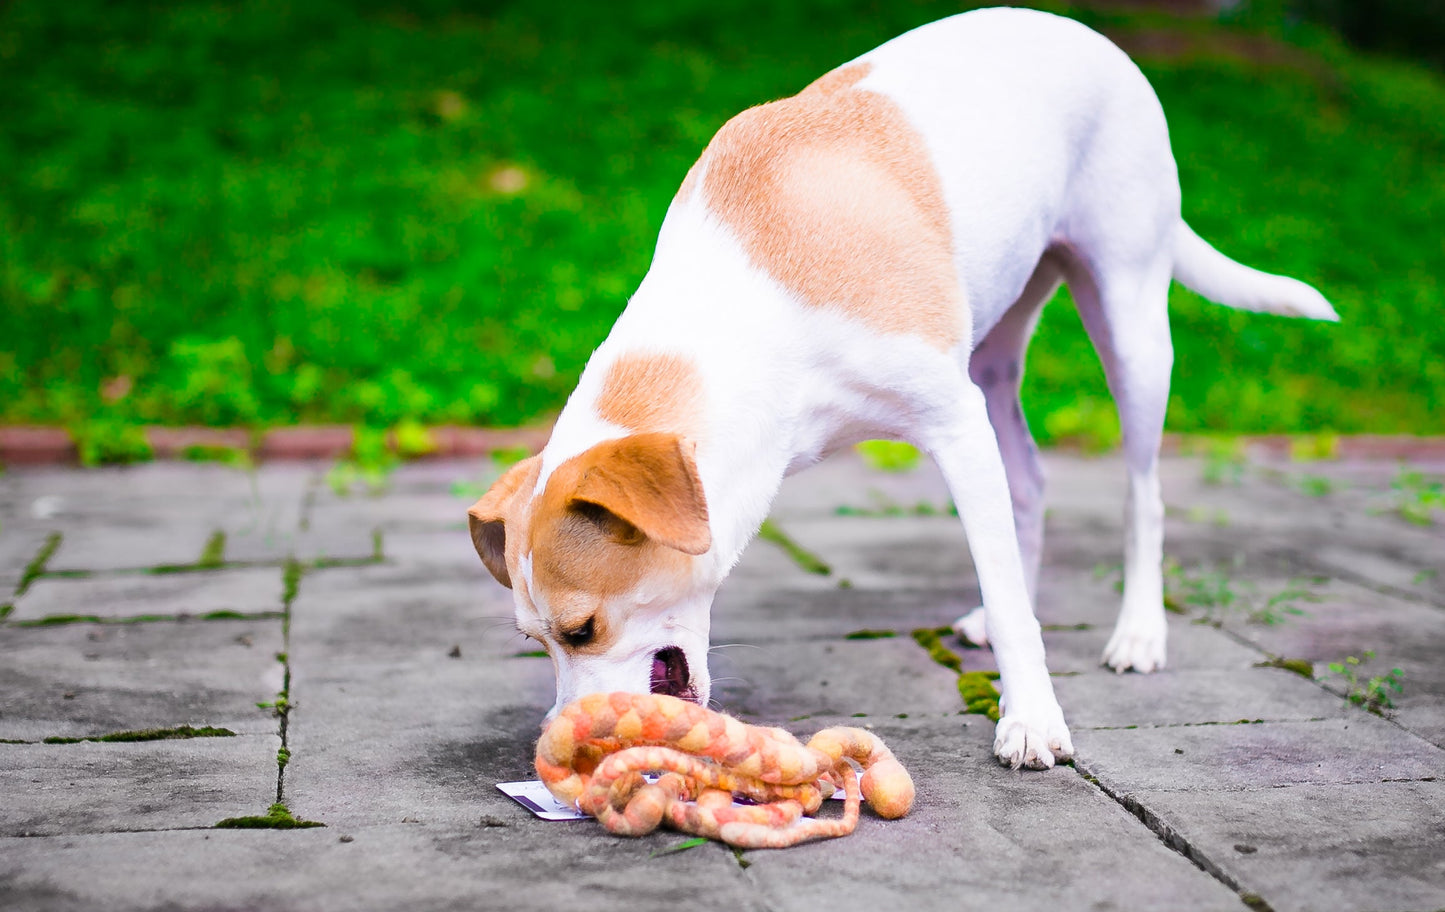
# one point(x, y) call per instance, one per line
point(1031, 730)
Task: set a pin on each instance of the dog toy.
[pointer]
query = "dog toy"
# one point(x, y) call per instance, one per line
point(593, 755)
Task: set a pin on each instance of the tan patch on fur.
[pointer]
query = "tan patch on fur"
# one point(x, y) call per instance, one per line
point(505, 504)
point(653, 393)
point(689, 184)
point(833, 193)
point(584, 540)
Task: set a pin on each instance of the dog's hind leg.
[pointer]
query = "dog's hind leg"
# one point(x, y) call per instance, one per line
point(996, 367)
point(1125, 311)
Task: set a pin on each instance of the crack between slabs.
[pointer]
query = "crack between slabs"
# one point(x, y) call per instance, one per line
point(1329, 568)
point(1173, 839)
point(291, 584)
point(1156, 725)
point(207, 828)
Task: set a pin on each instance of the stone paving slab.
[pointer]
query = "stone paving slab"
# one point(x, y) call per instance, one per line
point(248, 590)
point(359, 613)
point(1318, 848)
point(982, 836)
point(404, 866)
point(877, 677)
point(85, 680)
point(71, 789)
point(1171, 697)
point(744, 614)
point(381, 743)
point(1252, 756)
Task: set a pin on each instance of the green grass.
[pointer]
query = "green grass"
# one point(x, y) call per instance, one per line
point(266, 212)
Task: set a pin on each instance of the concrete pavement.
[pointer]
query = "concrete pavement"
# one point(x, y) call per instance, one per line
point(395, 696)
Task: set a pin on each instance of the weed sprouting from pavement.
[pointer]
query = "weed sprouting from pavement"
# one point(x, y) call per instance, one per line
point(1416, 497)
point(213, 555)
point(1375, 693)
point(1224, 462)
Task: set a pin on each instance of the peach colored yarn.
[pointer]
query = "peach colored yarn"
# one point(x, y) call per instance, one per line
point(594, 753)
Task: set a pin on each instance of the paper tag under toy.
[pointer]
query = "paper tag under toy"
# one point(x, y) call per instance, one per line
point(534, 797)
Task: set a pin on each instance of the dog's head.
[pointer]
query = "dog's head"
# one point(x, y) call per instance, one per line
point(604, 558)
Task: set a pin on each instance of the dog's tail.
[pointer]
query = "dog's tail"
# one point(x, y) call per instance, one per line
point(1200, 267)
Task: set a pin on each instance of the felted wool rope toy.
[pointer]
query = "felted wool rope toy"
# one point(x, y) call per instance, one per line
point(593, 755)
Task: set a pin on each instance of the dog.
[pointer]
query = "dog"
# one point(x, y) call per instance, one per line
point(865, 259)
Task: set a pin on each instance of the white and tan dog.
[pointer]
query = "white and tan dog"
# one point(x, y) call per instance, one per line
point(868, 259)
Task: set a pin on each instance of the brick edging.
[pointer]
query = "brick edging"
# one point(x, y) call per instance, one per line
point(28, 445)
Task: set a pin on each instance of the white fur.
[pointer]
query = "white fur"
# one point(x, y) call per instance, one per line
point(1055, 164)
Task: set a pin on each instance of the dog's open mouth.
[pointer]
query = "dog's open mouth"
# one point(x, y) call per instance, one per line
point(670, 675)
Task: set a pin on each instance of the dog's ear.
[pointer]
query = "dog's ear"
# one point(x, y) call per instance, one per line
point(488, 517)
point(651, 482)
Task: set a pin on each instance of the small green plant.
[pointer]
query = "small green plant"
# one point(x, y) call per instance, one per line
point(1224, 461)
point(683, 846)
point(1216, 596)
point(109, 442)
point(214, 553)
point(234, 457)
point(1417, 497)
point(502, 459)
point(1315, 447)
point(413, 440)
point(370, 464)
point(883, 505)
point(890, 455)
point(1088, 422)
point(1316, 485)
point(1372, 693)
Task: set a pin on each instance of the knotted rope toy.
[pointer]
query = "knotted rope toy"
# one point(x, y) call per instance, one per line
point(592, 756)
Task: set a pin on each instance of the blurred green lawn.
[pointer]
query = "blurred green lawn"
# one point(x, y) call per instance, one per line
point(269, 212)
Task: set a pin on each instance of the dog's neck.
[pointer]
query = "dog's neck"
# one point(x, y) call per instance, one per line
point(751, 387)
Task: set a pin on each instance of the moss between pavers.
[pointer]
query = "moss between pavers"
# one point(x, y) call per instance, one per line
point(277, 817)
point(1302, 667)
point(225, 614)
point(36, 567)
point(180, 732)
point(870, 635)
point(931, 639)
point(805, 559)
point(979, 694)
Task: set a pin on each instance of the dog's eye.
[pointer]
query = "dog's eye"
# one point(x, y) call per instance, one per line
point(579, 636)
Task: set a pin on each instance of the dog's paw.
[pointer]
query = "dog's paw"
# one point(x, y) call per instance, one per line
point(970, 628)
point(1035, 740)
point(1136, 647)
